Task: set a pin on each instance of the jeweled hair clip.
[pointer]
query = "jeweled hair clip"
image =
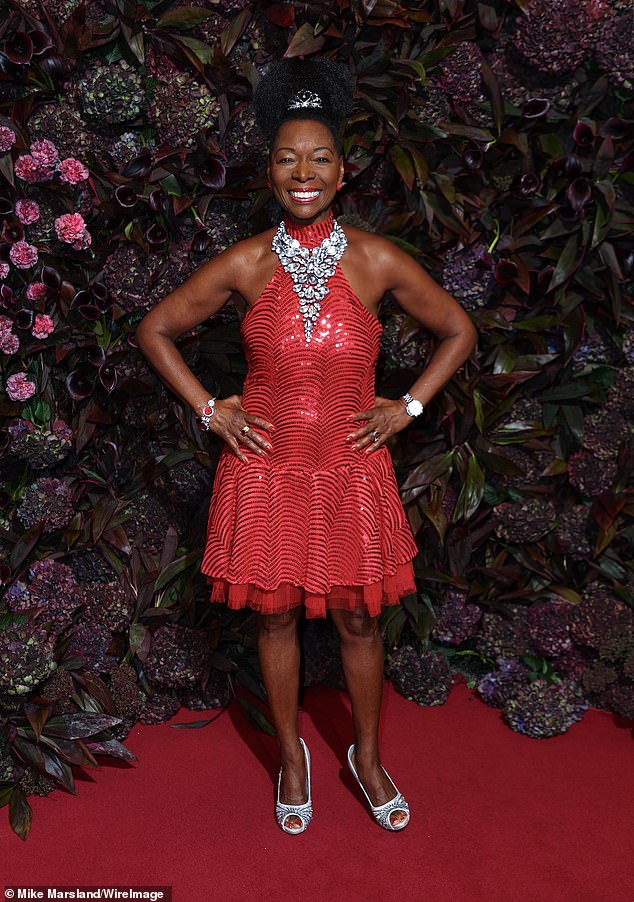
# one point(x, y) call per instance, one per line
point(304, 99)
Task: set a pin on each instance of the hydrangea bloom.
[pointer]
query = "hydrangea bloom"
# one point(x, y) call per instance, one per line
point(41, 446)
point(47, 500)
point(19, 388)
point(53, 588)
point(421, 677)
point(177, 656)
point(541, 710)
point(23, 255)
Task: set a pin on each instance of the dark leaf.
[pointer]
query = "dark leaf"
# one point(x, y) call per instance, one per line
point(304, 42)
point(20, 813)
point(79, 724)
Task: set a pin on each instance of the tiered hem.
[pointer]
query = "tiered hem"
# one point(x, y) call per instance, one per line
point(371, 597)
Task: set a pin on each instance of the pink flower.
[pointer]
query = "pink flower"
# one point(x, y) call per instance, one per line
point(27, 169)
point(71, 228)
point(6, 324)
point(9, 343)
point(36, 291)
point(23, 255)
point(27, 211)
point(84, 242)
point(43, 326)
point(72, 171)
point(19, 388)
point(7, 139)
point(4, 270)
point(44, 153)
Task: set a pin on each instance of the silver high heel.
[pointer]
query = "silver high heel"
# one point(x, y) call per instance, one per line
point(381, 813)
point(304, 811)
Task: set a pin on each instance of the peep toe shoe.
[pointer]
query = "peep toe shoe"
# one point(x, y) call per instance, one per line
point(381, 813)
point(304, 811)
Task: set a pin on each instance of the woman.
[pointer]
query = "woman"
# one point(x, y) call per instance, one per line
point(305, 513)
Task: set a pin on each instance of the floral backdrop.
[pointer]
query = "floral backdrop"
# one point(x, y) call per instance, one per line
point(492, 141)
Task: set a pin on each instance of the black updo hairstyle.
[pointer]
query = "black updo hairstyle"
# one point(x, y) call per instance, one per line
point(289, 83)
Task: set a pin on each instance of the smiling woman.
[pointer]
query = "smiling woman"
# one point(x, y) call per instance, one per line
point(305, 514)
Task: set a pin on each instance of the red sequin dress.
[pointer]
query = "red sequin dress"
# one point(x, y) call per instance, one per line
point(312, 521)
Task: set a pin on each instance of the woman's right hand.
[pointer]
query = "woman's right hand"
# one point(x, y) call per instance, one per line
point(229, 418)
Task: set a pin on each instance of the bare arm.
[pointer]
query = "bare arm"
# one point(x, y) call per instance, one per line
point(435, 309)
point(194, 301)
point(388, 268)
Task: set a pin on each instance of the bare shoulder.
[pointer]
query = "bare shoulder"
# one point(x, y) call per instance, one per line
point(371, 247)
point(250, 251)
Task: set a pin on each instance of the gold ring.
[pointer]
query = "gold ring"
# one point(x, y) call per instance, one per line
point(245, 429)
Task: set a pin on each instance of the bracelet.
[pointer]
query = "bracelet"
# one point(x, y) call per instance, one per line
point(207, 413)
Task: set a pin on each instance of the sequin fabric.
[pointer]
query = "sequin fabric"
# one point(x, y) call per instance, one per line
point(313, 521)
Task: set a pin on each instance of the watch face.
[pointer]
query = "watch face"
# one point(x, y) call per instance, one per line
point(415, 408)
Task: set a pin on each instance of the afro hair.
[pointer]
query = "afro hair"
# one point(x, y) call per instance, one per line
point(330, 81)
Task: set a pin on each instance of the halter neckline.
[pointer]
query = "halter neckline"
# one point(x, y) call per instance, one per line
point(309, 234)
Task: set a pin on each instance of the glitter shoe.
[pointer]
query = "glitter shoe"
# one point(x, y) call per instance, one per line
point(303, 811)
point(381, 813)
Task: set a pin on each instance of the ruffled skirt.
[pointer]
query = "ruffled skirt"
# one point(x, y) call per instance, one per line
point(279, 537)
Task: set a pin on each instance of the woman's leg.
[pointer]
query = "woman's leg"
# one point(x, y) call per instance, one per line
point(362, 657)
point(278, 650)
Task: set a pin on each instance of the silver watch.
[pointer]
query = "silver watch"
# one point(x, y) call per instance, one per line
point(412, 406)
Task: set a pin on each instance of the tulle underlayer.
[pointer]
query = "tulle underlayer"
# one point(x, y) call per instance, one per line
point(370, 596)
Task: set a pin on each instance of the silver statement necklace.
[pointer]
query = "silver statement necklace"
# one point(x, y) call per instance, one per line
point(310, 268)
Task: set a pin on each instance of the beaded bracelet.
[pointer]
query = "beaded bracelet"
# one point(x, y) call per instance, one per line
point(207, 413)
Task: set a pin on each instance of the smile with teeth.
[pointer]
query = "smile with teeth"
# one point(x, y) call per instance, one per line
point(304, 196)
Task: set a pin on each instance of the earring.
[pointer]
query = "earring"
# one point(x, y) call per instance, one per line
point(269, 184)
point(339, 186)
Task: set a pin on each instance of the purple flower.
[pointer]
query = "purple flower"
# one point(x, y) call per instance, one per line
point(49, 501)
point(7, 139)
point(72, 171)
point(9, 343)
point(27, 211)
point(6, 324)
point(36, 291)
point(44, 153)
point(19, 388)
point(5, 269)
point(23, 255)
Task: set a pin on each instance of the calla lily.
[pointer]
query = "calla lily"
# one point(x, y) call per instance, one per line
point(125, 196)
point(535, 108)
point(579, 193)
point(583, 134)
point(79, 384)
point(213, 174)
point(505, 271)
point(19, 49)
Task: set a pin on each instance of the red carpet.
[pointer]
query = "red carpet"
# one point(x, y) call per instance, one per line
point(495, 816)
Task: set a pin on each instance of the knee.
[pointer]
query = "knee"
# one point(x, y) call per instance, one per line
point(278, 625)
point(357, 625)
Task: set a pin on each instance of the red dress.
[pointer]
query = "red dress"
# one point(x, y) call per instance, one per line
point(312, 521)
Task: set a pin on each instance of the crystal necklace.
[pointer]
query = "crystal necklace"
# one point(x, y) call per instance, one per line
point(310, 268)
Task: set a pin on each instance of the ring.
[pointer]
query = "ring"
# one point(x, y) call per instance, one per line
point(375, 435)
point(245, 429)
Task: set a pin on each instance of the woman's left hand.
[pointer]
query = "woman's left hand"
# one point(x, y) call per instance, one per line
point(387, 417)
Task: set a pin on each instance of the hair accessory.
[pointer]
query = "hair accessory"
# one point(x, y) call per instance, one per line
point(314, 88)
point(207, 413)
point(310, 268)
point(305, 99)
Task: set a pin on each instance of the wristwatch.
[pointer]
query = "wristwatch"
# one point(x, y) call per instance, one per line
point(413, 407)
